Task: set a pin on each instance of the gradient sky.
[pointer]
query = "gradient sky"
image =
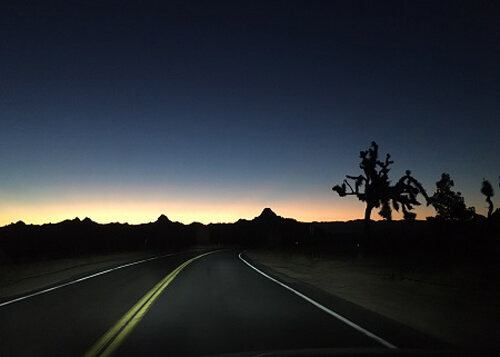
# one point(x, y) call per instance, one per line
point(212, 110)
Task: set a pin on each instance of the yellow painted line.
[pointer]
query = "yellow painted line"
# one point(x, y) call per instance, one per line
point(108, 343)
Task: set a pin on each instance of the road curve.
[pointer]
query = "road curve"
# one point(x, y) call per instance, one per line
point(215, 304)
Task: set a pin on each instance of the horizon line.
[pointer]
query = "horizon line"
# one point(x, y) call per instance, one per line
point(78, 219)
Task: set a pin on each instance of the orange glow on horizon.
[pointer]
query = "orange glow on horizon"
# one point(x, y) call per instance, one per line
point(187, 212)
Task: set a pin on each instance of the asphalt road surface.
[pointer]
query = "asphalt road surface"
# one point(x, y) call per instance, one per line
point(179, 306)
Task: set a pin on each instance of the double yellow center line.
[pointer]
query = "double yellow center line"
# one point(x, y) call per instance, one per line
point(108, 343)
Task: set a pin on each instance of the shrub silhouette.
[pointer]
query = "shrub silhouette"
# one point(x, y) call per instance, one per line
point(450, 205)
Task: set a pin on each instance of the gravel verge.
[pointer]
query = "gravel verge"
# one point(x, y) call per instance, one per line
point(24, 278)
point(459, 306)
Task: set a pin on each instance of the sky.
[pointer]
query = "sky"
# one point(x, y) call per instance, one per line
point(210, 111)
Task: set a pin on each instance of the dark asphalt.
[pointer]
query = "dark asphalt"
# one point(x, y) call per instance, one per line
point(216, 305)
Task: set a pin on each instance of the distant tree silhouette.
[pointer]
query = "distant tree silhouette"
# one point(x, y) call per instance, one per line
point(374, 188)
point(487, 190)
point(450, 205)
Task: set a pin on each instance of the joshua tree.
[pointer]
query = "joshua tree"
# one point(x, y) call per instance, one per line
point(450, 205)
point(374, 188)
point(487, 190)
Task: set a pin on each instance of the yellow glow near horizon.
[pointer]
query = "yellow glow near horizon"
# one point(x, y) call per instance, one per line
point(187, 212)
point(143, 213)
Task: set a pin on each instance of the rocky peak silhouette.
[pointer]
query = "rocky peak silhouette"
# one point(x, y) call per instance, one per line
point(163, 220)
point(88, 222)
point(268, 215)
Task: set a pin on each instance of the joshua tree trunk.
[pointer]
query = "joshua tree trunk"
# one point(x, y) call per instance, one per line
point(366, 233)
point(490, 206)
point(368, 214)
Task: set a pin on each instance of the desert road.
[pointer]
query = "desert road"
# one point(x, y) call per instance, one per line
point(194, 303)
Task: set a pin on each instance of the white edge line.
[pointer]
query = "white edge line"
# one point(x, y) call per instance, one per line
point(87, 277)
point(318, 305)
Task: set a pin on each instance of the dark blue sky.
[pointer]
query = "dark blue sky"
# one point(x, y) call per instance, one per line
point(211, 110)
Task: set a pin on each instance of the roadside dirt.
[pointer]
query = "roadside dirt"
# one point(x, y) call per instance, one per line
point(457, 306)
point(20, 279)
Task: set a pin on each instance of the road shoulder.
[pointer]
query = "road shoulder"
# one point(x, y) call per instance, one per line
point(18, 280)
point(413, 314)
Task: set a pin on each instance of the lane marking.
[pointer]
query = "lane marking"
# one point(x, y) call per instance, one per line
point(322, 307)
point(112, 339)
point(8, 302)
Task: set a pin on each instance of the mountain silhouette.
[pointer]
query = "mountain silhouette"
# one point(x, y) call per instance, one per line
point(268, 216)
point(88, 222)
point(163, 220)
point(71, 237)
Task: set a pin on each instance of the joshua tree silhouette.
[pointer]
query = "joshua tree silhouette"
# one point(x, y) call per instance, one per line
point(374, 188)
point(487, 190)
